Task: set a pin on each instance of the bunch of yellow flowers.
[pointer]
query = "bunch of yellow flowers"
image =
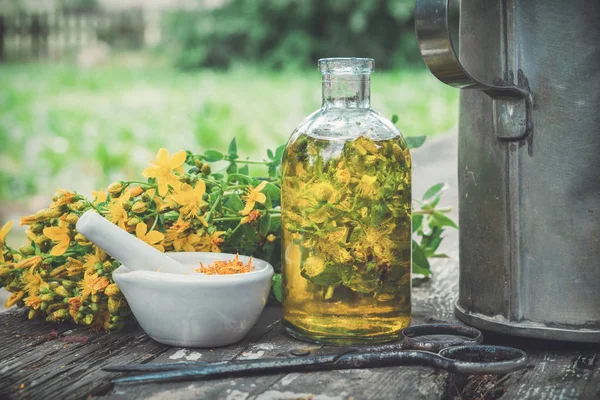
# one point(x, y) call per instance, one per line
point(60, 275)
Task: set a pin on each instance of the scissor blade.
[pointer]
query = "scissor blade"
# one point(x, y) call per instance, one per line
point(170, 366)
point(241, 367)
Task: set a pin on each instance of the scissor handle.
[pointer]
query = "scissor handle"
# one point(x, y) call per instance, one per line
point(412, 337)
point(484, 359)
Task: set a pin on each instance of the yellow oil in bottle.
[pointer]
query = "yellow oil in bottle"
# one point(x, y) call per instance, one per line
point(346, 220)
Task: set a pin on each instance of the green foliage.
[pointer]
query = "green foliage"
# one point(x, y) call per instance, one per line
point(294, 33)
point(65, 127)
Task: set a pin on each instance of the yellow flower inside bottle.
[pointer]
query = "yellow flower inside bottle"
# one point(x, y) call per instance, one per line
point(346, 195)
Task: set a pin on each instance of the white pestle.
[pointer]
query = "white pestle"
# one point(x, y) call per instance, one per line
point(132, 252)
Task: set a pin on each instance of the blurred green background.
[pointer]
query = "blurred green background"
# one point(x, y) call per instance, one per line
point(89, 90)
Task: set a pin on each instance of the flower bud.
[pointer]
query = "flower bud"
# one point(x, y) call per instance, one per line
point(53, 307)
point(58, 271)
point(41, 215)
point(27, 250)
point(37, 227)
point(44, 305)
point(133, 221)
point(113, 304)
point(107, 265)
point(206, 169)
point(95, 298)
point(55, 213)
point(271, 238)
point(68, 284)
point(62, 291)
point(41, 240)
point(117, 325)
point(136, 191)
point(82, 240)
point(60, 314)
point(94, 307)
point(32, 314)
point(198, 163)
point(53, 285)
point(87, 320)
point(127, 206)
point(79, 316)
point(80, 205)
point(72, 218)
point(112, 290)
point(139, 207)
point(115, 188)
point(4, 271)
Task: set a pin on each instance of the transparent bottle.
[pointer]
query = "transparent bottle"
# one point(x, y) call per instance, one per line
point(346, 216)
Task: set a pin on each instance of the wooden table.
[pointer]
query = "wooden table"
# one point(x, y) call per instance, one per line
point(41, 360)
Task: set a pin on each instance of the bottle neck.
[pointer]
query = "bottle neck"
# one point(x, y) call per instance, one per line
point(346, 91)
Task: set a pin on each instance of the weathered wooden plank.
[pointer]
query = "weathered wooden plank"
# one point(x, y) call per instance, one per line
point(58, 369)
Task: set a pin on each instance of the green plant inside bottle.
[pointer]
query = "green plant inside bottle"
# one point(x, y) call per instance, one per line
point(346, 213)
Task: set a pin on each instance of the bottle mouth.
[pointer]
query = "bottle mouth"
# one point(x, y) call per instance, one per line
point(346, 66)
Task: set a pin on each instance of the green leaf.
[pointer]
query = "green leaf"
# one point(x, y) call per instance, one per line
point(265, 224)
point(433, 195)
point(235, 203)
point(417, 220)
point(270, 154)
point(213, 155)
point(430, 243)
point(414, 142)
point(217, 176)
point(232, 149)
point(232, 168)
point(277, 286)
point(395, 119)
point(443, 220)
point(244, 170)
point(279, 154)
point(420, 264)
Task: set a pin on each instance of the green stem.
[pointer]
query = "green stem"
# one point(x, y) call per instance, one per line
point(140, 183)
point(238, 161)
point(227, 219)
point(154, 224)
point(432, 210)
point(214, 206)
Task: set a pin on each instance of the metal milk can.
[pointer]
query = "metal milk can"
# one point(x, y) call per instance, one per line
point(529, 161)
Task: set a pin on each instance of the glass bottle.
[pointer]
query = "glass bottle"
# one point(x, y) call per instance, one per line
point(346, 216)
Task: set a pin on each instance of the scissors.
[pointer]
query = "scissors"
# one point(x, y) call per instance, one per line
point(464, 353)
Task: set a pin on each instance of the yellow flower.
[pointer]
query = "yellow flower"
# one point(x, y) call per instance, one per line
point(33, 302)
point(162, 169)
point(74, 266)
point(185, 242)
point(92, 259)
point(74, 304)
point(190, 199)
point(117, 214)
point(91, 284)
point(59, 235)
point(99, 196)
point(212, 242)
point(33, 282)
point(31, 263)
point(3, 232)
point(253, 196)
point(253, 216)
point(367, 185)
point(152, 238)
point(14, 298)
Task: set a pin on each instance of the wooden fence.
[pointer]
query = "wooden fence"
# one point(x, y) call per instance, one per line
point(55, 35)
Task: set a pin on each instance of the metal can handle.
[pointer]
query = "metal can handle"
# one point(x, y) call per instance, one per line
point(512, 104)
